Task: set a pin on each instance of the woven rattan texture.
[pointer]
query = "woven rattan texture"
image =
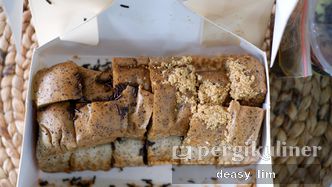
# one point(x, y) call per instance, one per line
point(301, 110)
point(302, 115)
point(14, 74)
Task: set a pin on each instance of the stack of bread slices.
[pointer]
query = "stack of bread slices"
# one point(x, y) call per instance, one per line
point(135, 112)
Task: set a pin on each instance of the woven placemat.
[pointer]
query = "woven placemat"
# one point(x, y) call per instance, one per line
point(302, 115)
point(14, 75)
point(300, 112)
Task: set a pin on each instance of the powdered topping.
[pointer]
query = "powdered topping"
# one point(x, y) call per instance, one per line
point(241, 80)
point(212, 116)
point(213, 93)
point(181, 74)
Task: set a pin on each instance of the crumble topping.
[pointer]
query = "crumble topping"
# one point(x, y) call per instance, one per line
point(213, 116)
point(213, 93)
point(183, 78)
point(176, 61)
point(241, 80)
point(181, 74)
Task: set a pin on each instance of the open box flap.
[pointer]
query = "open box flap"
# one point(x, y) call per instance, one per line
point(248, 19)
point(14, 13)
point(141, 29)
point(52, 18)
point(251, 13)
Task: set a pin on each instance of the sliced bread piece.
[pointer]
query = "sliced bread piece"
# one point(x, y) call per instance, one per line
point(132, 71)
point(248, 80)
point(54, 163)
point(174, 87)
point(128, 152)
point(243, 135)
point(139, 104)
point(245, 125)
point(207, 130)
point(61, 82)
point(56, 129)
point(100, 122)
point(139, 118)
point(160, 151)
point(97, 85)
point(213, 88)
point(168, 119)
point(92, 158)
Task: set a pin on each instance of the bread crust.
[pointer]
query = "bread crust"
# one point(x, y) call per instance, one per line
point(56, 129)
point(96, 85)
point(58, 83)
point(100, 122)
point(92, 158)
point(160, 151)
point(248, 80)
point(128, 152)
point(175, 96)
point(132, 71)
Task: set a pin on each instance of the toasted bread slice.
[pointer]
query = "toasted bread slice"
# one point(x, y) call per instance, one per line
point(139, 103)
point(92, 158)
point(248, 80)
point(58, 83)
point(245, 125)
point(54, 163)
point(100, 122)
point(161, 150)
point(207, 130)
point(128, 152)
point(174, 87)
point(214, 87)
point(97, 85)
point(243, 134)
point(56, 129)
point(132, 71)
point(209, 63)
point(168, 118)
point(140, 114)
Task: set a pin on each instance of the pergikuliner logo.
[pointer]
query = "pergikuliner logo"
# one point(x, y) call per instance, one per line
point(240, 153)
point(181, 152)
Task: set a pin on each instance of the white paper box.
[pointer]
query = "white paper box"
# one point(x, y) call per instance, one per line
point(45, 33)
point(140, 30)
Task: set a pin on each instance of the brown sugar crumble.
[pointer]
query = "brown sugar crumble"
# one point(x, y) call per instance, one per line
point(179, 61)
point(181, 74)
point(241, 79)
point(213, 116)
point(212, 92)
point(247, 77)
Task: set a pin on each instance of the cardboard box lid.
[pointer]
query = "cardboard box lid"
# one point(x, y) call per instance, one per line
point(138, 28)
point(248, 19)
point(52, 20)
